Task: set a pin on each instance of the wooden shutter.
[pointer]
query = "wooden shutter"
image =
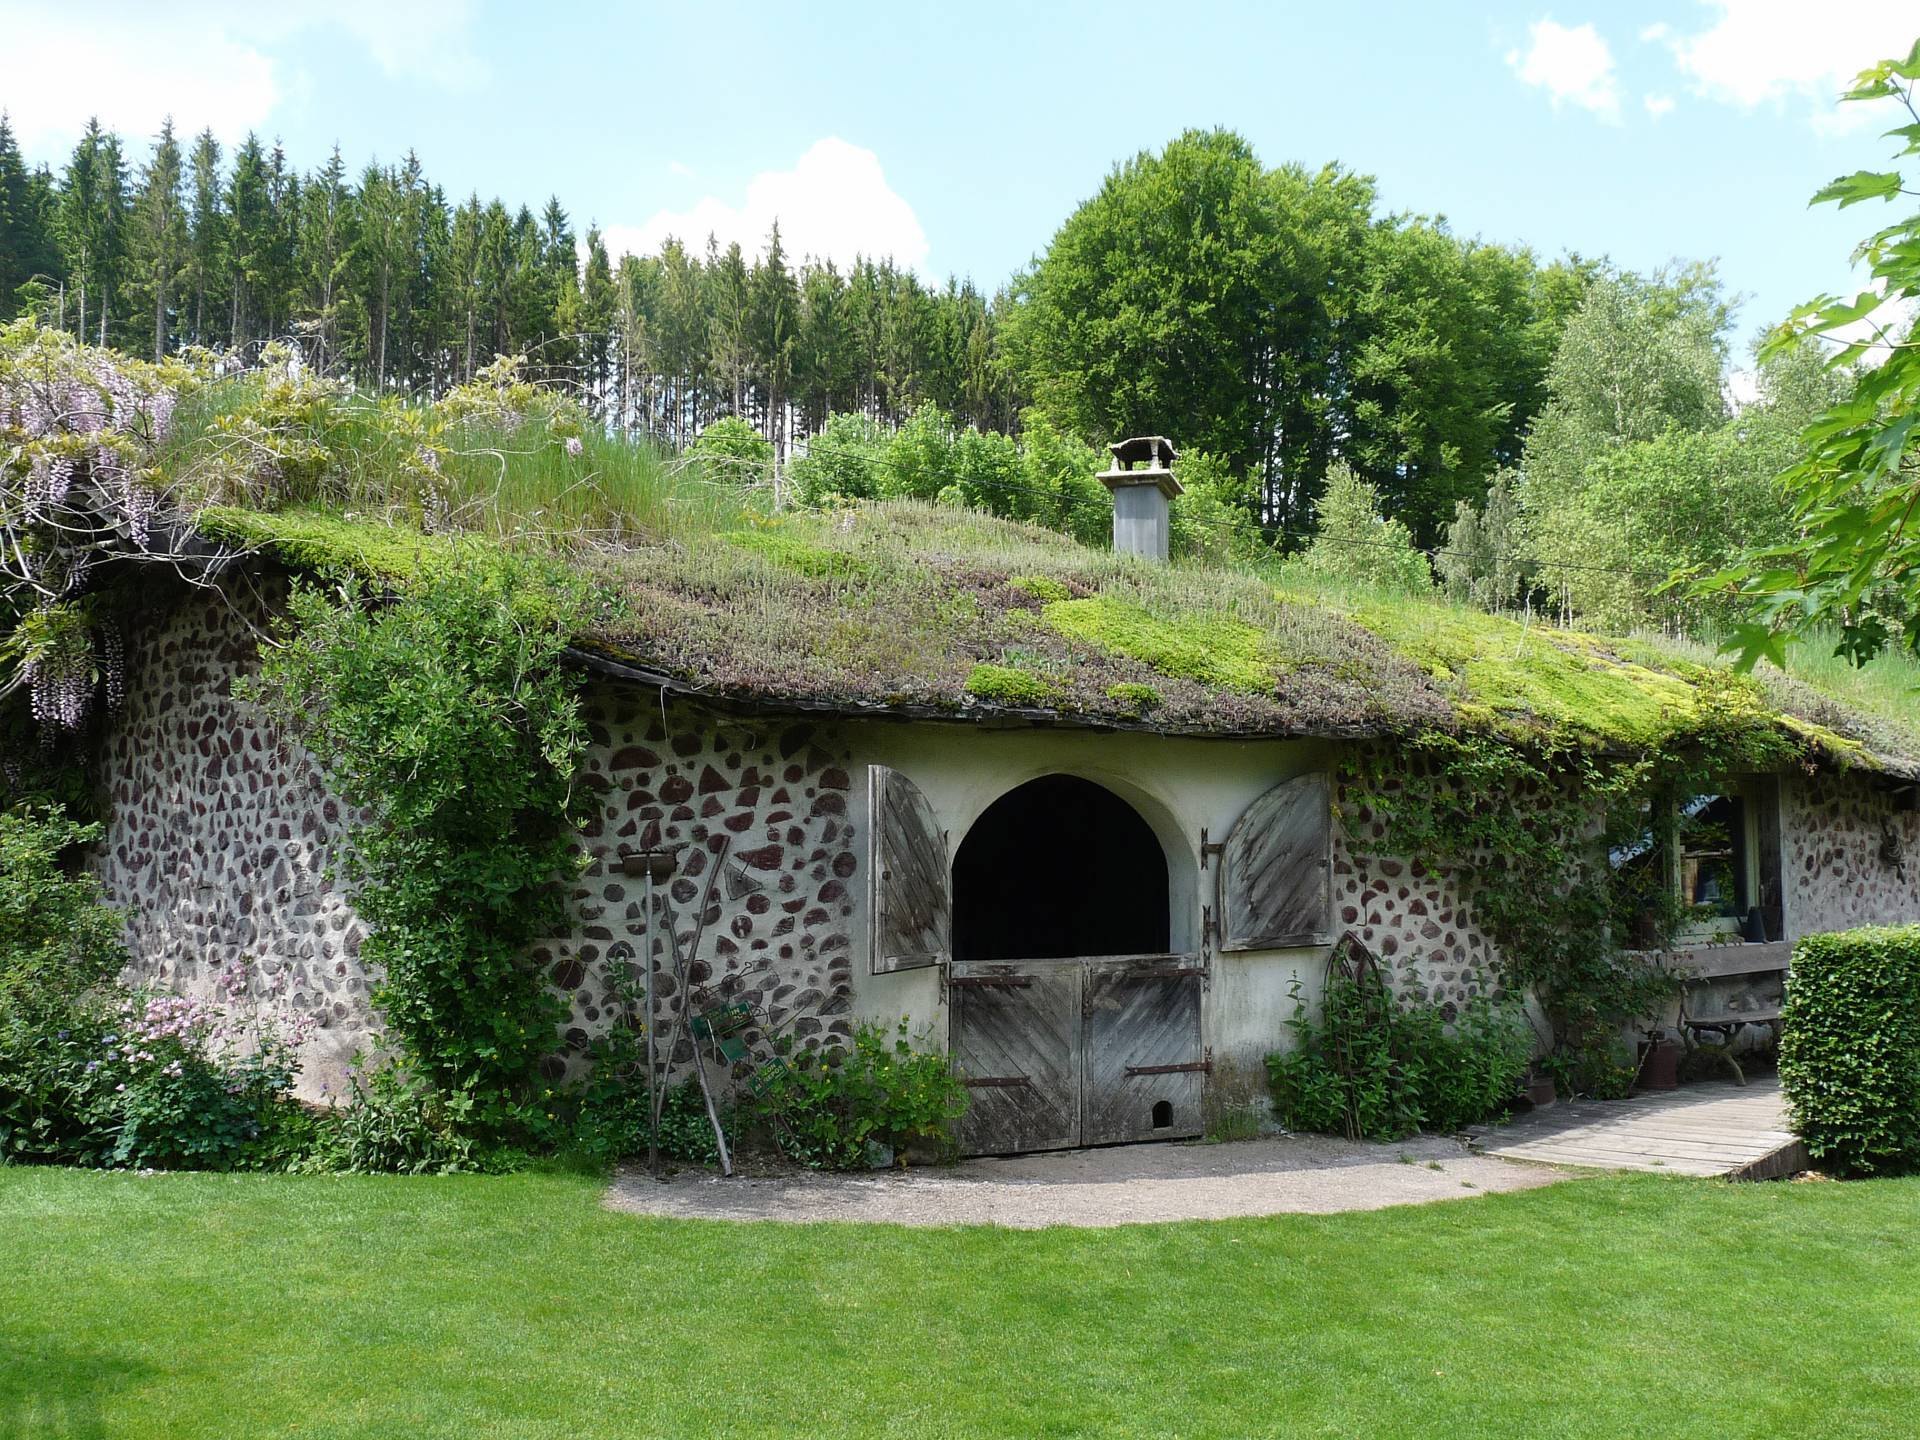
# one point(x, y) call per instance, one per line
point(912, 911)
point(1276, 870)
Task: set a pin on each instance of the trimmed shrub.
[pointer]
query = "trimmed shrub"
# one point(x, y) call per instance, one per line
point(1850, 1049)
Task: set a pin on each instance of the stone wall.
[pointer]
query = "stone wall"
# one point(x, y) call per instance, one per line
point(1834, 829)
point(1408, 914)
point(778, 933)
point(220, 838)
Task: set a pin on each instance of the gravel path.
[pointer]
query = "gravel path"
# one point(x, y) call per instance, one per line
point(1123, 1185)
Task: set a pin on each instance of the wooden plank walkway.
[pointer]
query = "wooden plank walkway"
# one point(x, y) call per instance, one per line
point(1711, 1128)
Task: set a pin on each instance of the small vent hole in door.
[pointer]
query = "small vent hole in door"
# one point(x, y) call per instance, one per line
point(1162, 1114)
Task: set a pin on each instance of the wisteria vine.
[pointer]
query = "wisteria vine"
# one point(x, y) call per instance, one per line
point(80, 429)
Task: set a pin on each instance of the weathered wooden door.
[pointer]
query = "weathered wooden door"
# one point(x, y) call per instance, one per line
point(1058, 1053)
point(1143, 1067)
point(1015, 1038)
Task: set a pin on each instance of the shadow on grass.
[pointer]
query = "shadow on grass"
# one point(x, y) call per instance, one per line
point(52, 1392)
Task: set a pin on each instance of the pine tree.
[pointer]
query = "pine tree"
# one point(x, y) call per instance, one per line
point(21, 242)
point(774, 325)
point(249, 208)
point(323, 248)
point(596, 314)
point(81, 193)
point(206, 236)
point(160, 234)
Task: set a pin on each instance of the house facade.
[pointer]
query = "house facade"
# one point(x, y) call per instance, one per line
point(1107, 928)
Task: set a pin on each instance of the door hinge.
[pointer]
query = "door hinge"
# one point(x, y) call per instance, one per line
point(1209, 847)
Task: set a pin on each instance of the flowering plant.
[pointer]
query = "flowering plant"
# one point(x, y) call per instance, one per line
point(187, 1082)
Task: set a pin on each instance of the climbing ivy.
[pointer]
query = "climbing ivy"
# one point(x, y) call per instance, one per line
point(443, 719)
point(1523, 823)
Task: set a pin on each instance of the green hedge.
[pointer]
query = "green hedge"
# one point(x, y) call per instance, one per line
point(1850, 1049)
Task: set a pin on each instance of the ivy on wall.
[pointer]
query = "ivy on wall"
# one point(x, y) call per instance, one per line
point(1523, 824)
point(442, 716)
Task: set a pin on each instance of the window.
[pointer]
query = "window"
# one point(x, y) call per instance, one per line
point(1714, 857)
point(1703, 866)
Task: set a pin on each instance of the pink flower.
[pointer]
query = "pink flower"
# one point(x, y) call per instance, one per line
point(574, 447)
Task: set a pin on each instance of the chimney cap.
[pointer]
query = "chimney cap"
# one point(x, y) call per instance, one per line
point(1142, 460)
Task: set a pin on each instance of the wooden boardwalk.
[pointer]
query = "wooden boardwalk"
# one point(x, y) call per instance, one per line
point(1711, 1128)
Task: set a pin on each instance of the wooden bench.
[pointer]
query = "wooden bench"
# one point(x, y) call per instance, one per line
point(1701, 1016)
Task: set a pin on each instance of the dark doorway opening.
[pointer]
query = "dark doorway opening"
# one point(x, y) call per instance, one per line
point(1059, 867)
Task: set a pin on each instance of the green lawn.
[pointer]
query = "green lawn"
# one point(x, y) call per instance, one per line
point(336, 1306)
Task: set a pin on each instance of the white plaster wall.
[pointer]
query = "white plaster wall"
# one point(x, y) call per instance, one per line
point(1181, 787)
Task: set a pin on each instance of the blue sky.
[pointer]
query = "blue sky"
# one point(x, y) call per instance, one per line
point(960, 136)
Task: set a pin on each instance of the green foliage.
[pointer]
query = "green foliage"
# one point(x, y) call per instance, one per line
point(1851, 560)
point(843, 461)
point(1212, 519)
point(1641, 360)
point(94, 1074)
point(1850, 1049)
point(1043, 588)
point(1480, 563)
point(1046, 476)
point(443, 719)
point(397, 1121)
point(836, 1101)
point(1212, 649)
point(731, 451)
point(1375, 1068)
point(1524, 830)
point(1008, 685)
point(1354, 542)
point(1136, 698)
point(59, 951)
point(1277, 322)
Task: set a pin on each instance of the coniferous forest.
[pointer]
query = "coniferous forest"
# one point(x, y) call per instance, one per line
point(1330, 331)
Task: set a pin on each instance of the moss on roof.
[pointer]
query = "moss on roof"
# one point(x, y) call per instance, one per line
point(903, 604)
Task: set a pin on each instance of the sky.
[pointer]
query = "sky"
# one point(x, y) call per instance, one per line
point(959, 137)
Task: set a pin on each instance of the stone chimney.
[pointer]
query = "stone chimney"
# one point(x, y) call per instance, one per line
point(1143, 485)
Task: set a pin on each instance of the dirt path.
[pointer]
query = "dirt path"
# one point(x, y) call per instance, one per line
point(1123, 1185)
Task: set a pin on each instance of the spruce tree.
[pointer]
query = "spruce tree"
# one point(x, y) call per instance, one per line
point(160, 234)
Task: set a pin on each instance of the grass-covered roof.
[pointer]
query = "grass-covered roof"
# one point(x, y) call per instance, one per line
point(921, 608)
point(911, 607)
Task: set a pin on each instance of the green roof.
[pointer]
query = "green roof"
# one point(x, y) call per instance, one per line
point(923, 609)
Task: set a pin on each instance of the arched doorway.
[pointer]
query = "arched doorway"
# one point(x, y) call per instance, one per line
point(1059, 867)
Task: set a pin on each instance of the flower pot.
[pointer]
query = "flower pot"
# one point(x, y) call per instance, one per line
point(1540, 1091)
point(1660, 1065)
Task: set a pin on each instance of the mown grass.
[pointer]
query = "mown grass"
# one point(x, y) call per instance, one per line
point(214, 1306)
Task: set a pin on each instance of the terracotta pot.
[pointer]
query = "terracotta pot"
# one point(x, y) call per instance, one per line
point(1660, 1065)
point(1540, 1091)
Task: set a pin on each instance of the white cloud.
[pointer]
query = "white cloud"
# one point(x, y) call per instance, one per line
point(681, 168)
point(219, 64)
point(834, 203)
point(1573, 64)
point(1772, 51)
point(1658, 105)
